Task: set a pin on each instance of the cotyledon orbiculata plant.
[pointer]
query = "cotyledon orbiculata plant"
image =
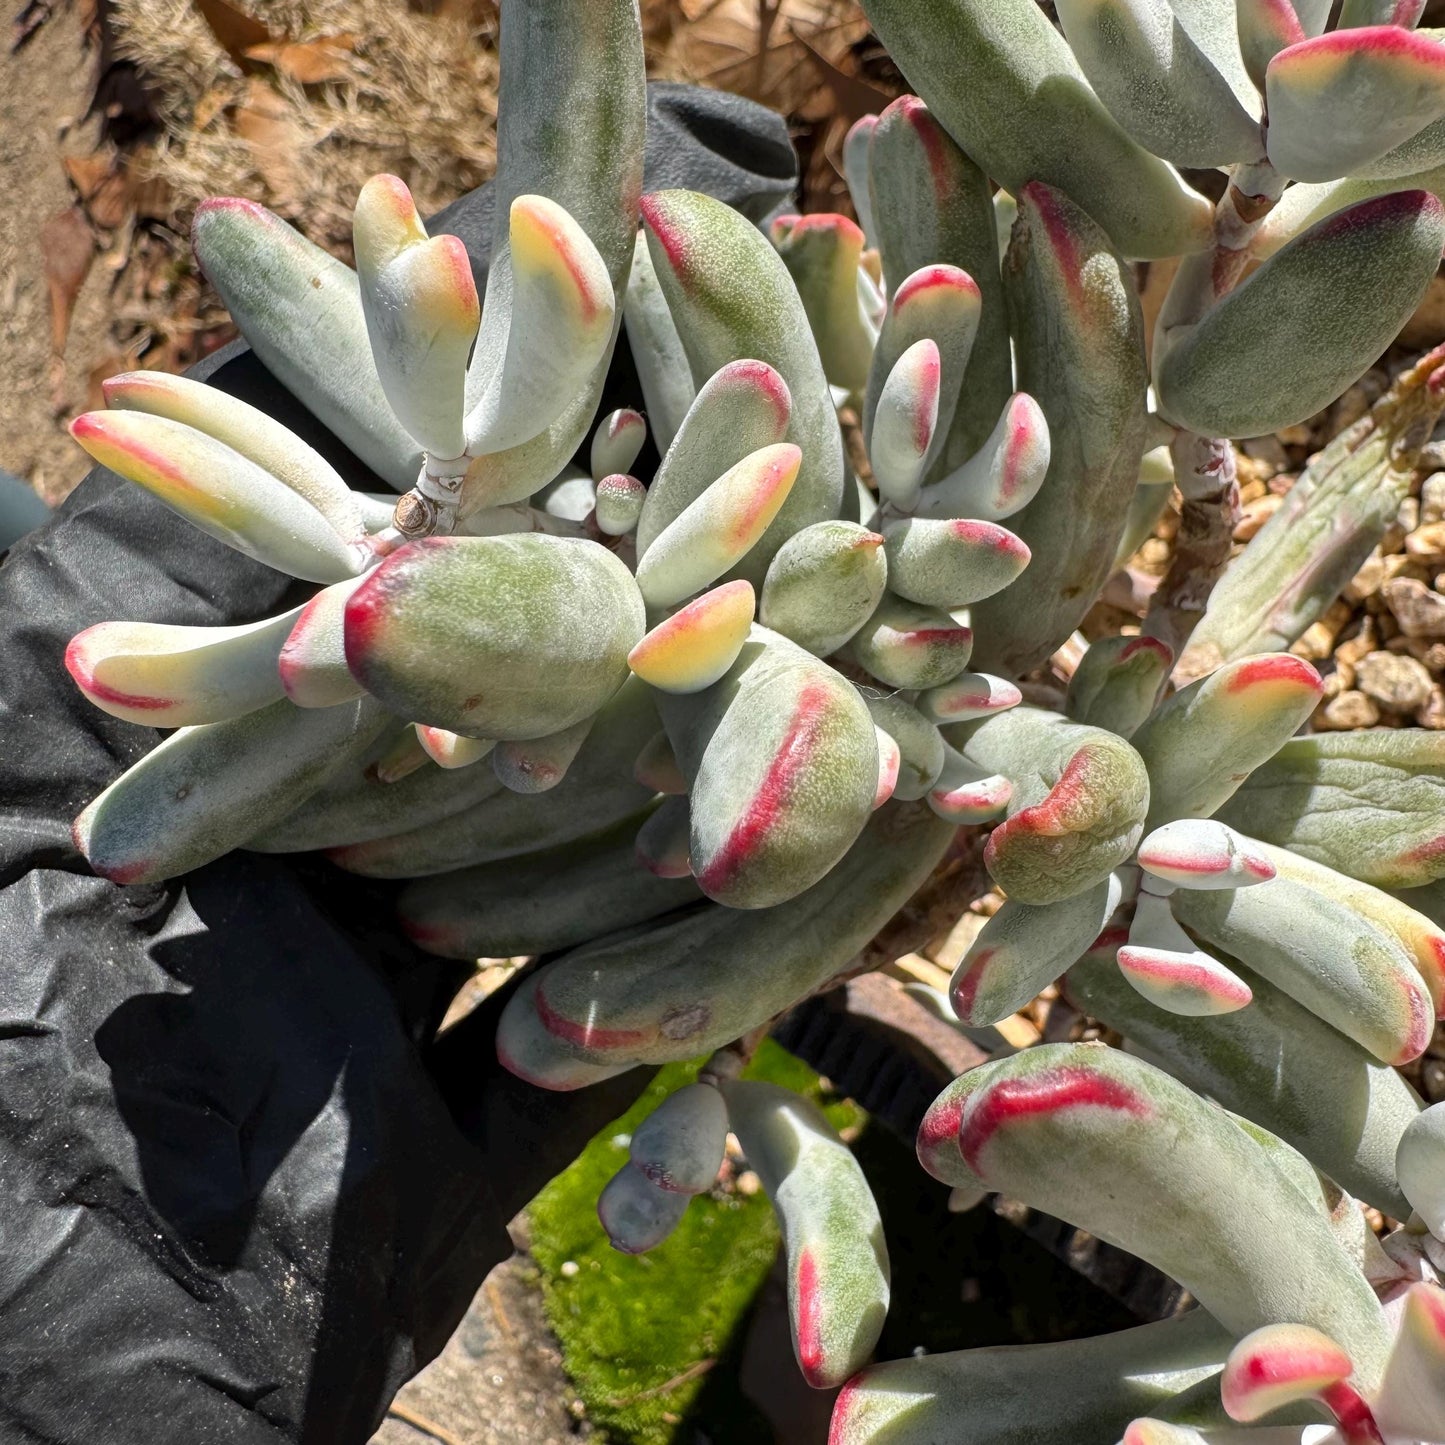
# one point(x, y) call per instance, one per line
point(697, 738)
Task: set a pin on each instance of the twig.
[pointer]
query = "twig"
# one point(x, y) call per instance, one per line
point(691, 1373)
point(420, 1422)
point(1204, 471)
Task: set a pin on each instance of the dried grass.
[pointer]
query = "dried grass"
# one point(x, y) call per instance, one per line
point(415, 94)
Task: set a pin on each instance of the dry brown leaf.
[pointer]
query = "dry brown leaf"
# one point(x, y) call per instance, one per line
point(236, 30)
point(87, 173)
point(68, 245)
point(308, 61)
point(853, 98)
point(210, 105)
point(150, 196)
point(104, 186)
point(751, 46)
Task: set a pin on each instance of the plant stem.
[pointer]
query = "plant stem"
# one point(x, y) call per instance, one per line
point(1204, 467)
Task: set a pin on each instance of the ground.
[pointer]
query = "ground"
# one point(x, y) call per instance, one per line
point(44, 89)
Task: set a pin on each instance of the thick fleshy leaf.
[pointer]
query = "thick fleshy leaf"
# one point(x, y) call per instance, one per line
point(570, 122)
point(1356, 13)
point(1298, 563)
point(496, 481)
point(539, 902)
point(696, 982)
point(823, 584)
point(1003, 476)
point(598, 791)
point(312, 663)
point(856, 146)
point(782, 764)
point(1008, 89)
point(1007, 1124)
point(527, 1050)
point(1267, 26)
point(246, 429)
point(218, 490)
point(1335, 297)
point(1161, 961)
point(1368, 804)
point(451, 750)
point(300, 309)
point(662, 365)
point(1420, 936)
point(664, 842)
point(1201, 853)
point(932, 209)
point(1305, 936)
point(1280, 1365)
point(388, 788)
point(951, 564)
point(965, 794)
point(495, 637)
point(742, 408)
point(570, 498)
point(1183, 981)
point(969, 697)
point(1078, 806)
point(717, 530)
point(1164, 1432)
point(422, 313)
point(559, 332)
point(694, 647)
point(1079, 337)
point(920, 745)
point(1117, 682)
point(656, 766)
point(680, 1145)
point(1052, 1394)
point(619, 502)
point(399, 759)
point(1205, 740)
point(636, 1213)
point(1302, 205)
point(1420, 1163)
point(1341, 100)
point(1171, 75)
point(837, 1259)
point(616, 443)
point(822, 254)
point(908, 646)
point(1022, 949)
point(904, 422)
point(206, 790)
point(1411, 1402)
point(1412, 162)
point(936, 303)
point(162, 676)
point(537, 765)
point(732, 298)
point(1274, 1062)
point(890, 764)
point(1151, 496)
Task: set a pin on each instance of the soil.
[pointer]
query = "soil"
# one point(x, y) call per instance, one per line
point(500, 1379)
point(44, 90)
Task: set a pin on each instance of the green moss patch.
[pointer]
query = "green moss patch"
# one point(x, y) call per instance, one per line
point(641, 1336)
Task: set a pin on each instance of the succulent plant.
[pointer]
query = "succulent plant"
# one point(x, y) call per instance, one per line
point(698, 736)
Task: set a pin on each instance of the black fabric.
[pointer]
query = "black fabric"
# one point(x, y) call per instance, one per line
point(243, 1195)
